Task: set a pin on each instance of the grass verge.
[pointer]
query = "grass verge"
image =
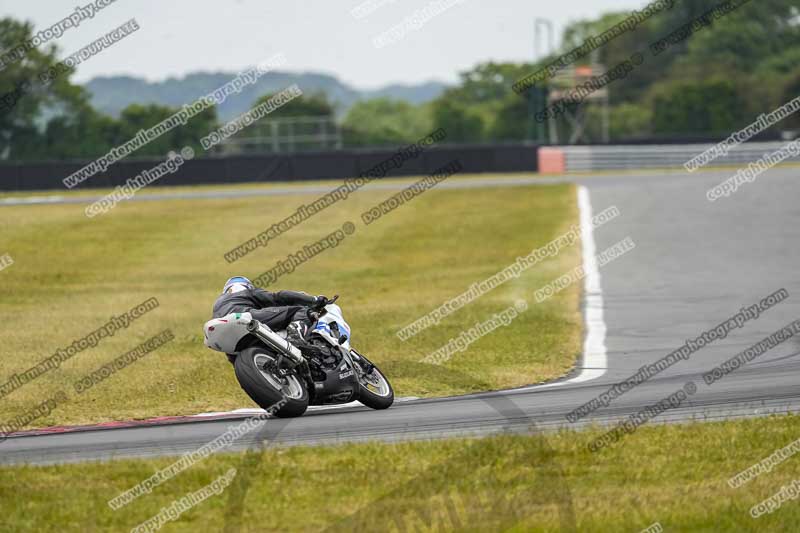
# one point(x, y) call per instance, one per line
point(90, 192)
point(675, 475)
point(72, 273)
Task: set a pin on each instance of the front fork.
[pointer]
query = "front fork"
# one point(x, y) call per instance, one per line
point(362, 363)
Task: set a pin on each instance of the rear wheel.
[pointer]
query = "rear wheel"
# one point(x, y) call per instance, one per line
point(267, 386)
point(375, 391)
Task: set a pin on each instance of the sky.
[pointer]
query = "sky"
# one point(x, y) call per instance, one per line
point(177, 37)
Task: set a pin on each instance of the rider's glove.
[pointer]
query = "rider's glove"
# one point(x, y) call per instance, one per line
point(320, 302)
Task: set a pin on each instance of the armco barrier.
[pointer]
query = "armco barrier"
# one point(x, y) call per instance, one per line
point(517, 157)
point(619, 157)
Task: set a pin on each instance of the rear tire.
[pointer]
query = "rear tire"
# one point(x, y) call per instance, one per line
point(268, 389)
point(383, 396)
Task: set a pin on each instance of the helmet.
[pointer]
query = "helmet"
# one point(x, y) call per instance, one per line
point(236, 284)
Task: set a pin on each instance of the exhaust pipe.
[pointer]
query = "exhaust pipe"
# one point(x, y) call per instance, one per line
point(275, 341)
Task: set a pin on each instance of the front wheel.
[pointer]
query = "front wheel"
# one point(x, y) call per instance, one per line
point(267, 386)
point(375, 391)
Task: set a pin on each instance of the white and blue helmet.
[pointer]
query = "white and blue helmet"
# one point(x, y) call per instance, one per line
point(236, 284)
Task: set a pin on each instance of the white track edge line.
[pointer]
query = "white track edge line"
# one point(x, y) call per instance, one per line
point(594, 362)
point(311, 408)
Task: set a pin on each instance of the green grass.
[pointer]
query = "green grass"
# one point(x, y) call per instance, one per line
point(674, 475)
point(88, 190)
point(72, 273)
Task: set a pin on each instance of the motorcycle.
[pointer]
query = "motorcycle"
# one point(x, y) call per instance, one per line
point(273, 371)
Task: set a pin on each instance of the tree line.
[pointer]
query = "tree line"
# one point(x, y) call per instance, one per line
point(715, 81)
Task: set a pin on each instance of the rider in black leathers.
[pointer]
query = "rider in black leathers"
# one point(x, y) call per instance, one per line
point(290, 310)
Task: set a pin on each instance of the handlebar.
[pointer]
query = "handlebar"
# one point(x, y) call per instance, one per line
point(319, 306)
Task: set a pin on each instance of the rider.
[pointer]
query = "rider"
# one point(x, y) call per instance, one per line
point(290, 310)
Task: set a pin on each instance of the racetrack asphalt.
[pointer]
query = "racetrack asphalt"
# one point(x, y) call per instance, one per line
point(696, 263)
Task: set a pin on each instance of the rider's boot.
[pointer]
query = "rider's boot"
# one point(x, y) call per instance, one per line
point(296, 332)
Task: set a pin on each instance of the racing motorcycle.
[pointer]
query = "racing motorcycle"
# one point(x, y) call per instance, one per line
point(273, 371)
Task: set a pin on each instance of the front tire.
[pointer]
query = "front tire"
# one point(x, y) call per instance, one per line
point(257, 375)
point(374, 390)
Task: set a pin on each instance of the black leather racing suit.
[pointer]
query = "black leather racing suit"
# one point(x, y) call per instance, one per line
point(275, 309)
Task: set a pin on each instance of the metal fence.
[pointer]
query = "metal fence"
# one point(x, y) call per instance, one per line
point(285, 135)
